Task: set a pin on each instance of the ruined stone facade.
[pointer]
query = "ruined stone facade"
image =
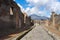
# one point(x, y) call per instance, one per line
point(55, 20)
point(10, 14)
point(27, 19)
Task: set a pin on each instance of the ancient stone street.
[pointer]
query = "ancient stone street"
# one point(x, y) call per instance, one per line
point(38, 33)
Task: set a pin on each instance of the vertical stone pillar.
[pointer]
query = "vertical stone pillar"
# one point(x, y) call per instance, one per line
point(53, 20)
point(25, 18)
point(17, 20)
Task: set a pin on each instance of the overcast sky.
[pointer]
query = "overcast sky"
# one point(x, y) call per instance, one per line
point(39, 7)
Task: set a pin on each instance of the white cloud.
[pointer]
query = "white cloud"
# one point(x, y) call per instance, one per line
point(37, 2)
point(50, 5)
point(36, 5)
point(54, 6)
point(35, 10)
point(32, 10)
point(27, 9)
point(13, 0)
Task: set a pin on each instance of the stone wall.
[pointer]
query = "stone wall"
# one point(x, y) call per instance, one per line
point(55, 21)
point(10, 14)
point(27, 20)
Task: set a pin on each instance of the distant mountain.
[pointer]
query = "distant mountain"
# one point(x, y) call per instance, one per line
point(36, 17)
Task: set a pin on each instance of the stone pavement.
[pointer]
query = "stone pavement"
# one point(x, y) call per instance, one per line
point(53, 32)
point(38, 33)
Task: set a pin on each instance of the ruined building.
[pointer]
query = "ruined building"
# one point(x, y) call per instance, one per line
point(55, 20)
point(27, 20)
point(10, 14)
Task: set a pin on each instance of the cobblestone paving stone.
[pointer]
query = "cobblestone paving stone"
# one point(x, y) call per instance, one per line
point(38, 33)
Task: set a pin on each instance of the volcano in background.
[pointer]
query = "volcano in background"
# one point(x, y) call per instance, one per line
point(36, 17)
